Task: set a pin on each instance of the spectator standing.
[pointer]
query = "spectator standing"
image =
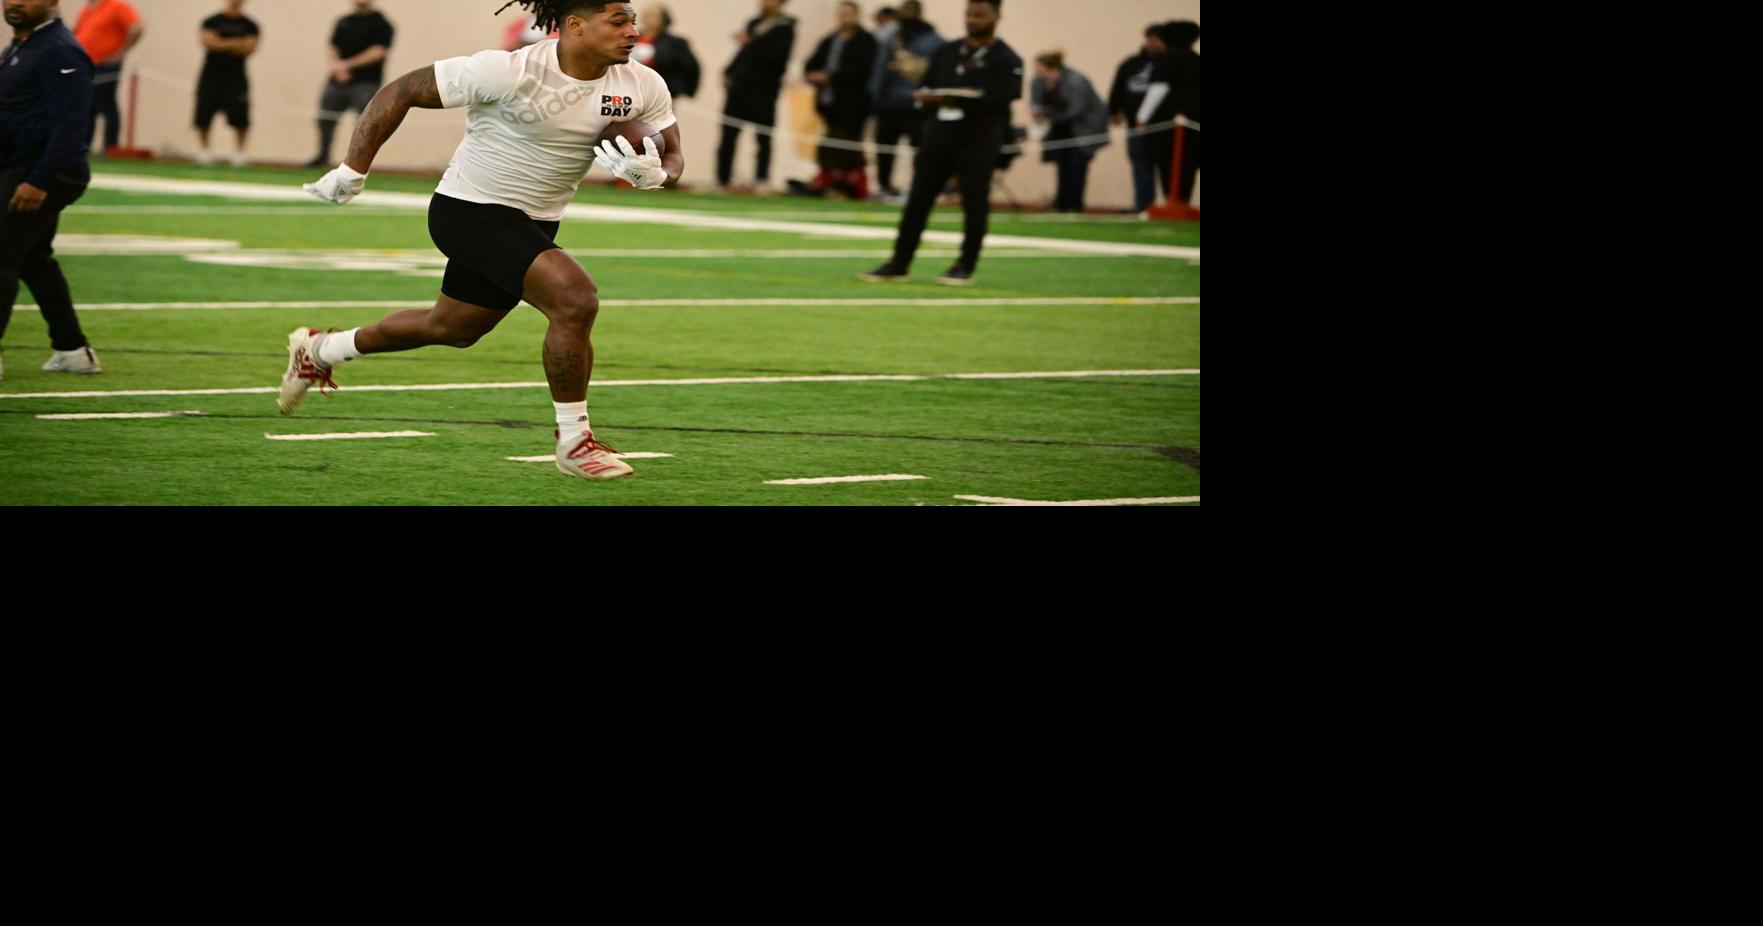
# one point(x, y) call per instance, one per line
point(107, 29)
point(670, 55)
point(358, 49)
point(45, 128)
point(840, 70)
point(901, 60)
point(753, 79)
point(230, 37)
point(1131, 80)
point(1063, 100)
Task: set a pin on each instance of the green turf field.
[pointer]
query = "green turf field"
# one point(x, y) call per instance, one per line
point(733, 337)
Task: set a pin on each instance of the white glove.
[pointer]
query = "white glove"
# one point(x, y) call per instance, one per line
point(339, 186)
point(644, 171)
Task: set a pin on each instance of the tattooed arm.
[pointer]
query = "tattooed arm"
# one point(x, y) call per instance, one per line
point(383, 116)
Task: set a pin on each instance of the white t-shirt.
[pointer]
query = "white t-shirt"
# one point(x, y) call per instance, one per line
point(530, 136)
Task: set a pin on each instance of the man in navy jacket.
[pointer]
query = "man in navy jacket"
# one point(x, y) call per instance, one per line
point(45, 100)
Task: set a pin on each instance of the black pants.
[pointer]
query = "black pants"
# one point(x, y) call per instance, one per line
point(27, 254)
point(1074, 173)
point(1190, 163)
point(972, 163)
point(759, 108)
point(890, 126)
point(105, 80)
point(841, 127)
point(336, 100)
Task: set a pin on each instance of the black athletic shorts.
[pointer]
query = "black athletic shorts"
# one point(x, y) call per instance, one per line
point(232, 97)
point(489, 249)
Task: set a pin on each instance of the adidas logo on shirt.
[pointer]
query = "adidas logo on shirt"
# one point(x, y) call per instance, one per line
point(536, 111)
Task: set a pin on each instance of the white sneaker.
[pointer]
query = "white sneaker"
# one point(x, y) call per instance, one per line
point(204, 159)
point(239, 159)
point(304, 370)
point(588, 458)
point(81, 360)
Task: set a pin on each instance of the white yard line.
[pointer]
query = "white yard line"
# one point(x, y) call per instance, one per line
point(602, 384)
point(1088, 503)
point(117, 416)
point(551, 458)
point(131, 245)
point(828, 480)
point(317, 208)
point(357, 435)
point(659, 303)
point(613, 215)
point(890, 218)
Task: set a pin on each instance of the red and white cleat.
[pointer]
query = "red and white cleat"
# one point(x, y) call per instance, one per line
point(303, 370)
point(587, 458)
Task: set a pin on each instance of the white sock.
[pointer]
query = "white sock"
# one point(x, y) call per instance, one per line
point(572, 420)
point(338, 347)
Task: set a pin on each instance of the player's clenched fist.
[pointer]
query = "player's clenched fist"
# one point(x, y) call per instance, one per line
point(339, 186)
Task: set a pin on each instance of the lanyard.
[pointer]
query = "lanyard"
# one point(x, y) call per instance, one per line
point(975, 60)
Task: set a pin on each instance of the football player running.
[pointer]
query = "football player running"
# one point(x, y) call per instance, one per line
point(533, 130)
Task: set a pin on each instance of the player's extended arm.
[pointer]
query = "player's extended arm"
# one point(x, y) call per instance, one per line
point(383, 116)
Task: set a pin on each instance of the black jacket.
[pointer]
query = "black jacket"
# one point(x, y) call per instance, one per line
point(45, 105)
point(850, 83)
point(1130, 84)
point(758, 68)
point(994, 69)
point(676, 64)
point(1180, 69)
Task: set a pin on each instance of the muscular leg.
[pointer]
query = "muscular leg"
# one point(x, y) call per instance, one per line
point(570, 300)
point(450, 322)
point(311, 357)
point(567, 295)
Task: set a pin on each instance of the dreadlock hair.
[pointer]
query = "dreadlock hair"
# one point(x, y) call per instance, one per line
point(549, 14)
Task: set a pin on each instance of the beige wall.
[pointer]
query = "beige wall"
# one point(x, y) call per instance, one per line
point(287, 72)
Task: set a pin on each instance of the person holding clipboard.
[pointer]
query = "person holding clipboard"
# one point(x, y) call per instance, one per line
point(969, 87)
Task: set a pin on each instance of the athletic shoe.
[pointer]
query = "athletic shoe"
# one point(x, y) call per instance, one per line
point(588, 458)
point(239, 159)
point(958, 275)
point(304, 370)
point(80, 360)
point(204, 159)
point(889, 272)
